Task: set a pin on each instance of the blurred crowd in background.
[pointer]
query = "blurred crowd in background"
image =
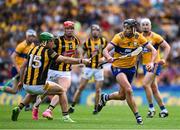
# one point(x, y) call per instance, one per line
point(48, 15)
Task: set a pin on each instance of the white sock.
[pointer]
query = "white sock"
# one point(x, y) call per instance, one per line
point(152, 109)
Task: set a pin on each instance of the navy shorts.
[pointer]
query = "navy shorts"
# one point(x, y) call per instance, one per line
point(156, 71)
point(129, 72)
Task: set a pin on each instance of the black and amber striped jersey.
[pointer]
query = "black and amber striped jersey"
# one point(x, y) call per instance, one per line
point(39, 59)
point(94, 48)
point(66, 48)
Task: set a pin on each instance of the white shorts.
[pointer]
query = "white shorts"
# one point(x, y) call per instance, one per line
point(53, 75)
point(97, 73)
point(34, 89)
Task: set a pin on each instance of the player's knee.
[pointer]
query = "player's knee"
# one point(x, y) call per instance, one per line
point(145, 83)
point(98, 90)
point(65, 89)
point(129, 91)
point(155, 91)
point(122, 97)
point(14, 91)
point(146, 87)
point(81, 88)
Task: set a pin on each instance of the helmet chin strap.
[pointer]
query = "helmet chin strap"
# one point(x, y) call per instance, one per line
point(43, 43)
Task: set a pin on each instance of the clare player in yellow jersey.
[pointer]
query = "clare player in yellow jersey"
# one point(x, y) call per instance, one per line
point(33, 76)
point(124, 69)
point(93, 47)
point(150, 81)
point(18, 57)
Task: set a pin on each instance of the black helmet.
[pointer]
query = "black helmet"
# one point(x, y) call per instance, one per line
point(130, 22)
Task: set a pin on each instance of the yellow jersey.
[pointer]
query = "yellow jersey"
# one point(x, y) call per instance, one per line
point(155, 39)
point(124, 45)
point(66, 48)
point(22, 50)
point(94, 47)
point(39, 59)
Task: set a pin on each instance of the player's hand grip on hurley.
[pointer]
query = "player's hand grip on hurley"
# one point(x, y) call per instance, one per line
point(110, 59)
point(20, 85)
point(162, 62)
point(150, 66)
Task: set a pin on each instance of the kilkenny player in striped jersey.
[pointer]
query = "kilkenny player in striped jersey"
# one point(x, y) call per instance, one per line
point(66, 45)
point(34, 72)
point(93, 48)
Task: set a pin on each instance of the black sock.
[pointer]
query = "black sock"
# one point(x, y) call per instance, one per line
point(37, 106)
point(51, 107)
point(21, 106)
point(73, 104)
point(136, 114)
point(95, 108)
point(65, 113)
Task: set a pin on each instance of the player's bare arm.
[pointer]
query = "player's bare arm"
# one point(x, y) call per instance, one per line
point(13, 58)
point(22, 72)
point(150, 65)
point(70, 60)
point(106, 54)
point(166, 51)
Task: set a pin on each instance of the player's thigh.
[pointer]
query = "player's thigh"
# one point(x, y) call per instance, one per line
point(148, 78)
point(83, 83)
point(121, 91)
point(99, 84)
point(65, 82)
point(53, 88)
point(123, 81)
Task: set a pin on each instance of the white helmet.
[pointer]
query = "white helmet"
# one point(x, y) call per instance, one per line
point(146, 20)
point(31, 32)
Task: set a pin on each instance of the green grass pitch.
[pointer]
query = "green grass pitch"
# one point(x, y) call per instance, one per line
point(111, 117)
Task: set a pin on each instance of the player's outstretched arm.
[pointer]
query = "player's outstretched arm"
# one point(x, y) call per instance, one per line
point(70, 60)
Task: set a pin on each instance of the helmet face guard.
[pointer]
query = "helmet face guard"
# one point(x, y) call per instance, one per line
point(95, 30)
point(69, 28)
point(129, 27)
point(30, 36)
